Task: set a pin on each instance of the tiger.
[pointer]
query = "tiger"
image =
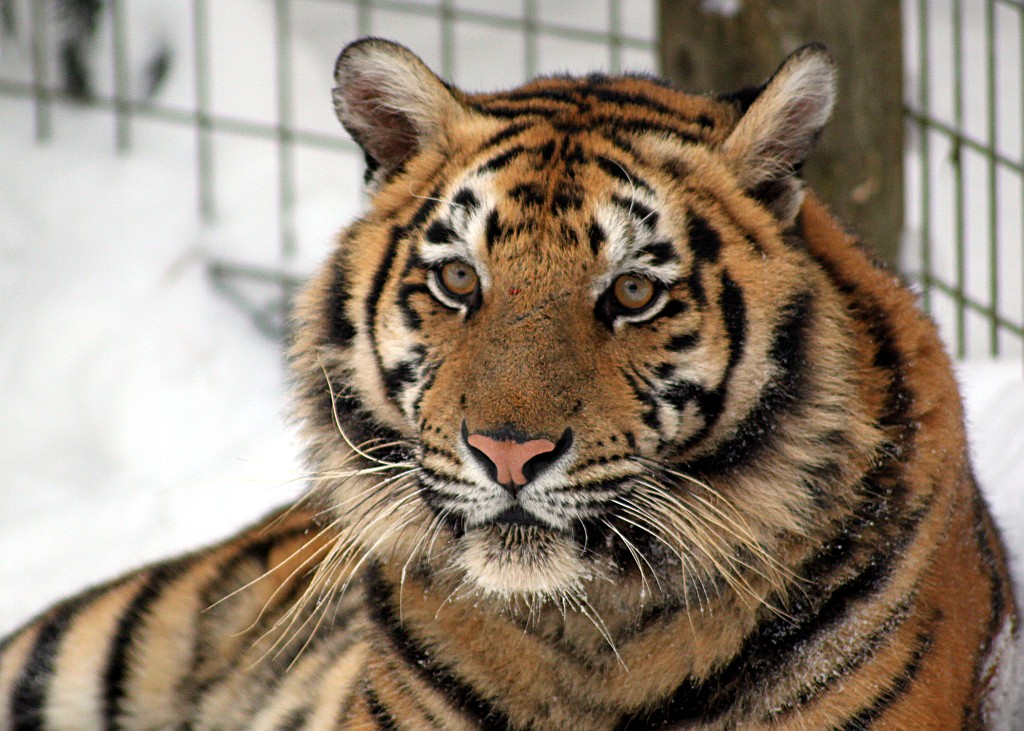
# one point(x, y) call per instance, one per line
point(610, 424)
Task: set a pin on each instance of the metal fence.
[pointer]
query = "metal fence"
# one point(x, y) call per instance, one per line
point(965, 157)
point(479, 44)
point(965, 181)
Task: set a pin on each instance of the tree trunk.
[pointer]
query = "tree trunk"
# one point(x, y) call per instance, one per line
point(724, 45)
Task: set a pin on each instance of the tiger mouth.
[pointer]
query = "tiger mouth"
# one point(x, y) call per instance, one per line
point(515, 558)
point(518, 515)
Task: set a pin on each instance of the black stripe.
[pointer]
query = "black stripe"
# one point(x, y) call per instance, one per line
point(755, 245)
point(423, 662)
point(583, 465)
point(884, 700)
point(695, 284)
point(426, 207)
point(899, 395)
point(465, 198)
point(500, 161)
point(852, 659)
point(340, 329)
point(256, 550)
point(681, 343)
point(385, 721)
point(734, 313)
point(786, 387)
point(572, 151)
point(743, 98)
point(642, 126)
point(615, 96)
point(219, 585)
point(494, 231)
point(443, 452)
point(410, 317)
point(613, 485)
point(28, 699)
point(566, 198)
point(766, 652)
point(597, 237)
point(406, 372)
point(295, 720)
point(617, 170)
point(296, 646)
point(627, 145)
point(732, 305)
point(705, 121)
point(119, 655)
point(505, 134)
point(643, 213)
point(568, 235)
point(559, 96)
point(704, 241)
point(440, 232)
point(988, 544)
point(771, 191)
point(380, 279)
point(545, 152)
point(527, 194)
point(661, 252)
point(429, 376)
point(649, 409)
point(372, 166)
point(663, 370)
point(511, 111)
point(681, 393)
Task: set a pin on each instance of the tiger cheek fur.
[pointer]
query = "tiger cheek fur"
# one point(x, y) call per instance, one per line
point(610, 426)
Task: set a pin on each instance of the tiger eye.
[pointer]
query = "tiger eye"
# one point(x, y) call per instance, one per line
point(458, 278)
point(633, 292)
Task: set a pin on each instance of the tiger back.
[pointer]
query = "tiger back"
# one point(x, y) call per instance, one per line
point(610, 425)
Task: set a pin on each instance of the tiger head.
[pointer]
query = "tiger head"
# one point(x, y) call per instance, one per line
point(573, 341)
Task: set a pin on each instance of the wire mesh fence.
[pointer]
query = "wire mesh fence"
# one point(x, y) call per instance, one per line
point(249, 80)
point(287, 123)
point(965, 182)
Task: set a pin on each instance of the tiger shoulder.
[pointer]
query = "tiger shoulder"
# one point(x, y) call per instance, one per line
point(611, 426)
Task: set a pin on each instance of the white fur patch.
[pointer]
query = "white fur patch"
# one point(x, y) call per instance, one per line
point(512, 560)
point(1004, 702)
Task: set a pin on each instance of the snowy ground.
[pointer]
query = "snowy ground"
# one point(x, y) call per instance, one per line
point(142, 414)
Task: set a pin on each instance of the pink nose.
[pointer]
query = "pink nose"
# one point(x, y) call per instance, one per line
point(510, 457)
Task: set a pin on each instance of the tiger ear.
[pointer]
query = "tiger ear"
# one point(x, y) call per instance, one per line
point(390, 102)
point(769, 144)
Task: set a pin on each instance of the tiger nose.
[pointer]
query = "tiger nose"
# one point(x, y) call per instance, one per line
point(514, 462)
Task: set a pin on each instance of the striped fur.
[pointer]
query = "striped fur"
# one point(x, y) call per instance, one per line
point(758, 510)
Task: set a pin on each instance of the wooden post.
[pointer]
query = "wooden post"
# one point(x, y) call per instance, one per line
point(724, 45)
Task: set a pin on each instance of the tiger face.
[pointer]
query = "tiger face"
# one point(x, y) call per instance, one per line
point(569, 343)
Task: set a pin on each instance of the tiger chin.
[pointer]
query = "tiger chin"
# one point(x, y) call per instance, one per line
point(609, 425)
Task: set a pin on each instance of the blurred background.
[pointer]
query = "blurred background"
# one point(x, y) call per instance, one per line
point(170, 170)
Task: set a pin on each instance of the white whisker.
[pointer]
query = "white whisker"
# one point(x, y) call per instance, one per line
point(341, 431)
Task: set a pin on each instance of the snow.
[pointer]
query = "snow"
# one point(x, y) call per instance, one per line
point(993, 394)
point(143, 414)
point(990, 278)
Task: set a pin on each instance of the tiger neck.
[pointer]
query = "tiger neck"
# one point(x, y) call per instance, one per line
point(504, 664)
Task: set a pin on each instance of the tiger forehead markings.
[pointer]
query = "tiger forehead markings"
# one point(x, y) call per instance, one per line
point(616, 231)
point(609, 426)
